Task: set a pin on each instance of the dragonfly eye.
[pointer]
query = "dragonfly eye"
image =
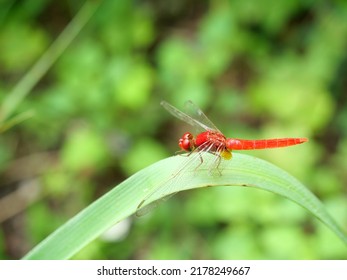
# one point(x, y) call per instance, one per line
point(187, 142)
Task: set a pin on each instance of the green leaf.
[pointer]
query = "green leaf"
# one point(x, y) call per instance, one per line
point(123, 200)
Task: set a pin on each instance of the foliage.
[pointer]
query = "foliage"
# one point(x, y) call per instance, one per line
point(91, 118)
point(159, 181)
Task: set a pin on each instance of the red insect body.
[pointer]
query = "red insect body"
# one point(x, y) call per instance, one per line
point(240, 144)
point(216, 141)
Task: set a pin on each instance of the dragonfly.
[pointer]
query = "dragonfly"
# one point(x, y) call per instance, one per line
point(212, 140)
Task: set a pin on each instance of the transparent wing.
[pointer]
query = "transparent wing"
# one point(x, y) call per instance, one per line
point(196, 113)
point(195, 116)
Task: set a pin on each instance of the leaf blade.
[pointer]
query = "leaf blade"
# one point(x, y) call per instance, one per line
point(123, 200)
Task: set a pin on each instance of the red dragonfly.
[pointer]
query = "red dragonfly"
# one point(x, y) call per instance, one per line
point(213, 141)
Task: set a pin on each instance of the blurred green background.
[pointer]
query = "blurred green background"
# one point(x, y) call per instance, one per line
point(259, 69)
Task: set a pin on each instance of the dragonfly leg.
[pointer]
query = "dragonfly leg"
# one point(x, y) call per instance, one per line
point(215, 165)
point(219, 159)
point(183, 153)
point(201, 161)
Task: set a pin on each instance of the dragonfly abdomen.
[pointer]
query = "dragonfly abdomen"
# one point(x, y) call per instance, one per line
point(241, 144)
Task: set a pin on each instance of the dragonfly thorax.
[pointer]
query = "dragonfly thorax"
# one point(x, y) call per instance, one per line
point(213, 142)
point(216, 139)
point(208, 141)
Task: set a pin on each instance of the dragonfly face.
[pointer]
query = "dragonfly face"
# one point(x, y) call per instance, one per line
point(186, 142)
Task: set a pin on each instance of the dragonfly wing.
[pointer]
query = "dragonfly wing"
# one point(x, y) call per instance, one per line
point(196, 113)
point(168, 187)
point(188, 119)
point(143, 210)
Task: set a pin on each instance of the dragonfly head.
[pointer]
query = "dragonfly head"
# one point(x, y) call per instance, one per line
point(186, 143)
